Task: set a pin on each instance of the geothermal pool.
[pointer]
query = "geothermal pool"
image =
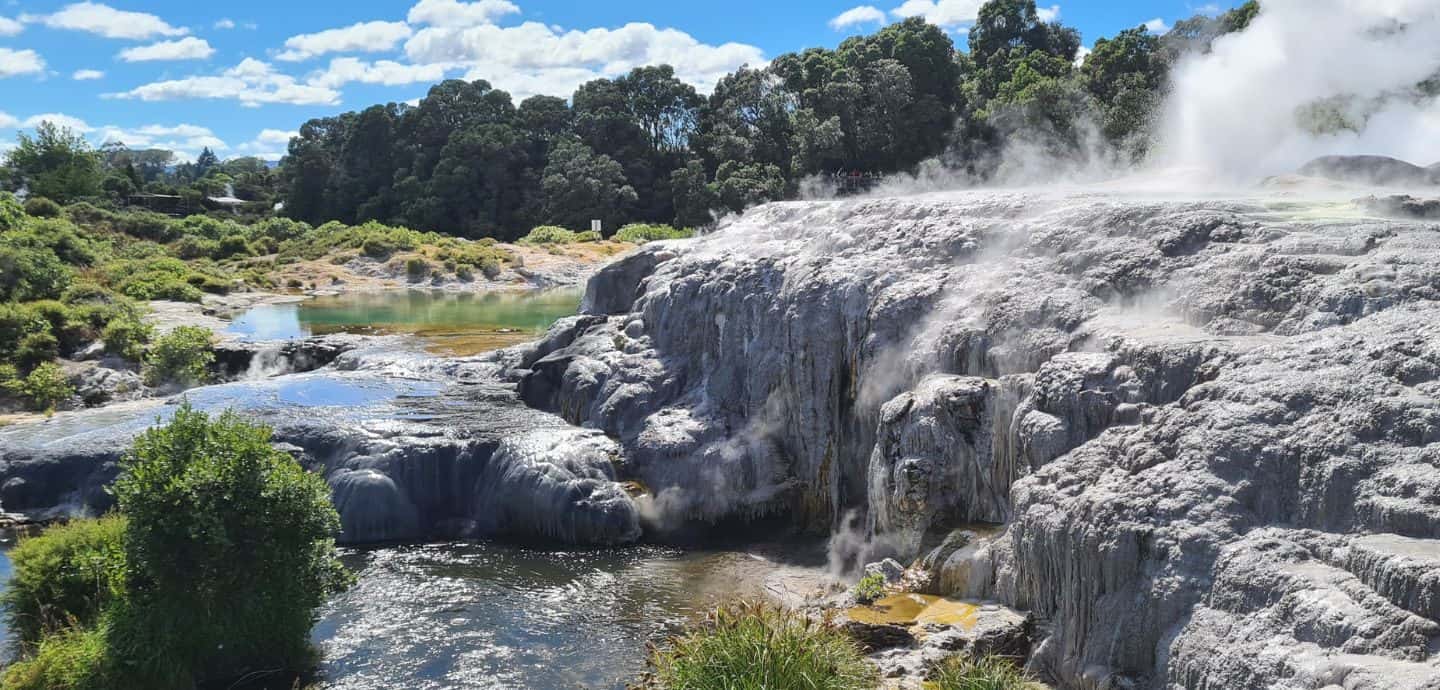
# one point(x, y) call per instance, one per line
point(449, 323)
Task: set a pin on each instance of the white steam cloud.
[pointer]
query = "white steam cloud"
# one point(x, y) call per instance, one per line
point(1237, 112)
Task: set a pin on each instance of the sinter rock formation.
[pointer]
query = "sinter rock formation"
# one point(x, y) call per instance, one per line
point(1210, 429)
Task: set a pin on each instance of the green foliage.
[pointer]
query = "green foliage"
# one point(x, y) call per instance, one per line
point(869, 588)
point(640, 233)
point(230, 551)
point(12, 214)
point(760, 646)
point(417, 269)
point(30, 272)
point(553, 234)
point(41, 207)
point(35, 349)
point(56, 163)
point(181, 357)
point(216, 569)
point(989, 673)
point(126, 336)
point(73, 659)
point(63, 578)
point(46, 386)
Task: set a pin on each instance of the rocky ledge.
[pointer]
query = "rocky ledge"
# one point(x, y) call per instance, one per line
point(1207, 432)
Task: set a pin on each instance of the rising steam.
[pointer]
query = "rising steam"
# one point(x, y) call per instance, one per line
point(1349, 68)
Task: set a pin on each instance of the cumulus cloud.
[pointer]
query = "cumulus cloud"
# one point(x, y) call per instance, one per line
point(189, 48)
point(947, 13)
point(104, 20)
point(14, 63)
point(59, 120)
point(8, 121)
point(387, 72)
point(186, 139)
point(1156, 26)
point(87, 75)
point(856, 16)
point(10, 27)
point(453, 14)
point(252, 83)
point(364, 37)
point(1081, 54)
point(269, 144)
point(1048, 14)
point(534, 58)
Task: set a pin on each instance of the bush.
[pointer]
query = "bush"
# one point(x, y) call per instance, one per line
point(760, 646)
point(417, 269)
point(550, 234)
point(46, 387)
point(181, 357)
point(35, 349)
point(988, 673)
point(640, 233)
point(229, 552)
point(40, 207)
point(12, 214)
point(64, 578)
point(29, 272)
point(191, 247)
point(869, 588)
point(125, 337)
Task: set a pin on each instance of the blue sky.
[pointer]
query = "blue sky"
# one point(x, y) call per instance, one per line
point(241, 76)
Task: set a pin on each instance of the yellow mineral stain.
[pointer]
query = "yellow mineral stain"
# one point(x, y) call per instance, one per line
point(916, 609)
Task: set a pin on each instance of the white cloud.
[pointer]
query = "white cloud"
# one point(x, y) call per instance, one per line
point(275, 136)
point(87, 75)
point(226, 23)
point(1156, 26)
point(1080, 55)
point(1209, 9)
point(107, 21)
point(1048, 14)
point(185, 138)
point(57, 119)
point(453, 14)
point(252, 82)
point(348, 69)
point(946, 13)
point(533, 58)
point(189, 48)
point(365, 37)
point(8, 121)
point(10, 27)
point(269, 144)
point(864, 14)
point(17, 62)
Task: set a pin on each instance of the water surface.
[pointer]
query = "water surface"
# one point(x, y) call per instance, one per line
point(450, 323)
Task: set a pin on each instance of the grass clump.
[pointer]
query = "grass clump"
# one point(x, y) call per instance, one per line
point(181, 357)
point(640, 233)
point(760, 646)
point(869, 588)
point(64, 578)
point(987, 673)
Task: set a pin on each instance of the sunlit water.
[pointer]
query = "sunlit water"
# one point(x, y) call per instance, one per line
point(450, 323)
point(495, 616)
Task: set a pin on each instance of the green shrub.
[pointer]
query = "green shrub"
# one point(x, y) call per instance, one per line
point(12, 214)
point(191, 247)
point(988, 673)
point(29, 272)
point(148, 225)
point(549, 234)
point(760, 646)
point(125, 337)
point(76, 659)
point(181, 357)
point(229, 552)
point(46, 387)
point(417, 269)
point(869, 588)
point(640, 233)
point(231, 246)
point(40, 207)
point(64, 578)
point(35, 349)
point(464, 273)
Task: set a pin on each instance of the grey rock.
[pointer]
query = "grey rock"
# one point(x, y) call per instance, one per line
point(889, 570)
point(1380, 171)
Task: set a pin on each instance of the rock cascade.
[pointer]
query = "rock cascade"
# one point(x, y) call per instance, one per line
point(1208, 427)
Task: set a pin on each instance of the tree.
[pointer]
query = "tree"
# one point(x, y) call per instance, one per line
point(205, 162)
point(56, 163)
point(580, 185)
point(694, 200)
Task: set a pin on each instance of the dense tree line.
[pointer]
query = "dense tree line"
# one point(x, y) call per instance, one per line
point(646, 147)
